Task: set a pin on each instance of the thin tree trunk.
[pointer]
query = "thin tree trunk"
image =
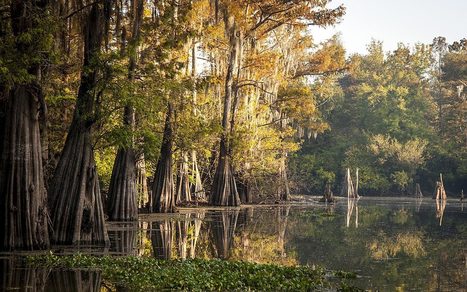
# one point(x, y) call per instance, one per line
point(142, 183)
point(284, 190)
point(197, 185)
point(76, 202)
point(183, 194)
point(23, 197)
point(163, 186)
point(224, 190)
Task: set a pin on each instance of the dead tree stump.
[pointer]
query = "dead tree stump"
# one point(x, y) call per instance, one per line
point(440, 192)
point(348, 188)
point(328, 196)
point(418, 191)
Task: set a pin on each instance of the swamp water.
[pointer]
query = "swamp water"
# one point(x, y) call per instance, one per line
point(391, 243)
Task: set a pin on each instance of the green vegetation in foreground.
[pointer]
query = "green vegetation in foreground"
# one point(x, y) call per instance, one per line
point(139, 273)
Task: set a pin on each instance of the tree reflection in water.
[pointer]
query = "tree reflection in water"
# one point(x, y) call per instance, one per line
point(161, 238)
point(74, 281)
point(222, 232)
point(123, 238)
point(16, 276)
point(440, 207)
point(352, 204)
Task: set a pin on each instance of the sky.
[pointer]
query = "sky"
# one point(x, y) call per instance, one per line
point(394, 21)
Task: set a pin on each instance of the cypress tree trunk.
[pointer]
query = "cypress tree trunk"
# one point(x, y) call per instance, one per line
point(183, 194)
point(142, 184)
point(224, 190)
point(163, 186)
point(197, 186)
point(23, 199)
point(284, 190)
point(78, 215)
point(123, 190)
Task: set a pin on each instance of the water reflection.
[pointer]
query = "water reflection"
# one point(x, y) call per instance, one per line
point(440, 207)
point(161, 238)
point(16, 276)
point(222, 232)
point(352, 204)
point(123, 238)
point(394, 245)
point(74, 281)
point(418, 203)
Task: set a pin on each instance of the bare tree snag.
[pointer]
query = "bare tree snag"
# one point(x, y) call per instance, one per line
point(440, 207)
point(348, 187)
point(418, 191)
point(440, 192)
point(328, 196)
point(163, 199)
point(75, 198)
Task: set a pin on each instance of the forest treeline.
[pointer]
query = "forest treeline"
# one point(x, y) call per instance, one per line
point(112, 106)
point(400, 117)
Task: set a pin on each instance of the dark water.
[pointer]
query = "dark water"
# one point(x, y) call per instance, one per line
point(393, 244)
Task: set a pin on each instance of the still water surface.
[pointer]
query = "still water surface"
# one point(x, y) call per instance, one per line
point(391, 243)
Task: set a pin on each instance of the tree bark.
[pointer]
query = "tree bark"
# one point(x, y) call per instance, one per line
point(122, 190)
point(23, 197)
point(78, 214)
point(163, 187)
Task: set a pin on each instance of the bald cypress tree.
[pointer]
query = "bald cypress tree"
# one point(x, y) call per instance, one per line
point(75, 199)
point(23, 206)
